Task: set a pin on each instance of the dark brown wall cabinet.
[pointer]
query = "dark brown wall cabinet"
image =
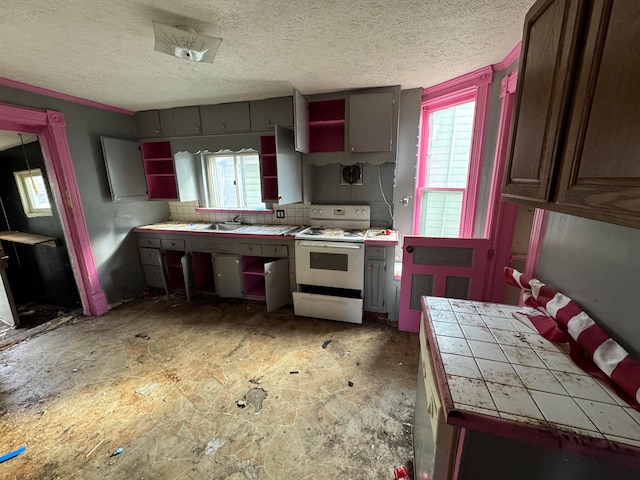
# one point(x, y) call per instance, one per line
point(575, 139)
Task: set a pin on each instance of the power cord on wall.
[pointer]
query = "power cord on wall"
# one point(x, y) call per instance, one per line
point(393, 220)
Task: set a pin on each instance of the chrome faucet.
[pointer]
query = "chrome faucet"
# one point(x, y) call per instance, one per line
point(236, 219)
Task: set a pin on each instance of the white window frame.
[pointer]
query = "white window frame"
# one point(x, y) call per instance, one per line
point(27, 190)
point(212, 196)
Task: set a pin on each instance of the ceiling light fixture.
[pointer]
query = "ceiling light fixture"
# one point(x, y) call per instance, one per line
point(183, 42)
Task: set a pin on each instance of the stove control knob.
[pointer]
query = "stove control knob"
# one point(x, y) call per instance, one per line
point(320, 211)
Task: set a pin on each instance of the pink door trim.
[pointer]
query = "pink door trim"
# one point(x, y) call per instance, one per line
point(501, 215)
point(50, 126)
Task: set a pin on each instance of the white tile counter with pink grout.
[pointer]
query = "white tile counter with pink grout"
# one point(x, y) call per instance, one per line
point(497, 400)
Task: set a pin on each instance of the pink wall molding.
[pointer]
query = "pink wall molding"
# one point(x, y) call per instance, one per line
point(63, 96)
point(511, 57)
point(50, 127)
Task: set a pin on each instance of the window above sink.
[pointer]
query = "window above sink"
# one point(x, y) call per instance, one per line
point(232, 180)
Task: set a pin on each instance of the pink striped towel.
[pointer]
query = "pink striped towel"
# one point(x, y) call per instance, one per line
point(559, 319)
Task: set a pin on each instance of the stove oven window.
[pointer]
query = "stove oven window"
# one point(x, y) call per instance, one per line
point(338, 262)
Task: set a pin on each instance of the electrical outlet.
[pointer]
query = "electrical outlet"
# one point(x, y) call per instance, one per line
point(279, 213)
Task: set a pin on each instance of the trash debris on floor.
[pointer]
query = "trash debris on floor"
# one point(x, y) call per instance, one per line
point(326, 343)
point(400, 473)
point(213, 446)
point(255, 397)
point(173, 400)
point(117, 451)
point(143, 335)
point(147, 389)
point(10, 455)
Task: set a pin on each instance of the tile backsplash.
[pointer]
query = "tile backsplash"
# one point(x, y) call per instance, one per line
point(297, 214)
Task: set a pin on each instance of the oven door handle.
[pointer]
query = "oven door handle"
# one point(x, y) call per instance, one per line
point(329, 245)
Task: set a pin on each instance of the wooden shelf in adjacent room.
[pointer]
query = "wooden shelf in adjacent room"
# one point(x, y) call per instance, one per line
point(28, 238)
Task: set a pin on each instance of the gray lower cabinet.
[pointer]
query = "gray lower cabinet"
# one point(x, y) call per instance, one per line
point(153, 266)
point(228, 275)
point(213, 265)
point(377, 275)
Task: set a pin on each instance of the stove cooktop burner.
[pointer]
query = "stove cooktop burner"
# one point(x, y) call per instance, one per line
point(333, 233)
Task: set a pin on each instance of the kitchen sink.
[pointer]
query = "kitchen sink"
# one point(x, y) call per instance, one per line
point(226, 227)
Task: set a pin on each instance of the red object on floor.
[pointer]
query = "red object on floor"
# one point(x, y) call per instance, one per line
point(400, 473)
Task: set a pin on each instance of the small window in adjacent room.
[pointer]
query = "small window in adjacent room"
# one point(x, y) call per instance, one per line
point(33, 193)
point(233, 180)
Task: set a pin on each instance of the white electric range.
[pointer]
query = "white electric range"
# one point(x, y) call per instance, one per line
point(330, 263)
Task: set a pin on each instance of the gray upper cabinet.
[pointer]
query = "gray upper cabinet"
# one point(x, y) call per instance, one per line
point(124, 169)
point(148, 124)
point(371, 122)
point(301, 117)
point(182, 121)
point(225, 118)
point(266, 114)
point(289, 168)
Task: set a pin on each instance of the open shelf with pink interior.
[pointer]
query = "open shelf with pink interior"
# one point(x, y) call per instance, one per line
point(253, 276)
point(327, 120)
point(268, 168)
point(159, 170)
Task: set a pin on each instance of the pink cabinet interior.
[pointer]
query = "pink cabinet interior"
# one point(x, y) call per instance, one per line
point(268, 168)
point(327, 125)
point(159, 170)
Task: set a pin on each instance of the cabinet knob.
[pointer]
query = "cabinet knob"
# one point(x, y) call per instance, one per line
point(223, 126)
point(353, 149)
point(409, 249)
point(157, 130)
point(197, 128)
point(279, 197)
point(268, 272)
point(268, 122)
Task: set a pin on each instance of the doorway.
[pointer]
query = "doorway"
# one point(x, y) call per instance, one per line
point(36, 260)
point(50, 127)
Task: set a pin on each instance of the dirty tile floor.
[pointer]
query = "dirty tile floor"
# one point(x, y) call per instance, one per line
point(208, 389)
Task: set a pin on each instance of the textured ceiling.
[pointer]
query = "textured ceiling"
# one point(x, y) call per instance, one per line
point(103, 50)
point(12, 139)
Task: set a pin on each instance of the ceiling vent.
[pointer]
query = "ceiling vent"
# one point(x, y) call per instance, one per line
point(183, 42)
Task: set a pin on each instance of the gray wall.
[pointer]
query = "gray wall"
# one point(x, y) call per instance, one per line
point(489, 150)
point(598, 266)
point(405, 181)
point(109, 224)
point(327, 189)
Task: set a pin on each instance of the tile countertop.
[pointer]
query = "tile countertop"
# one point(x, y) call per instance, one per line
point(497, 374)
point(379, 236)
point(261, 230)
point(374, 236)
